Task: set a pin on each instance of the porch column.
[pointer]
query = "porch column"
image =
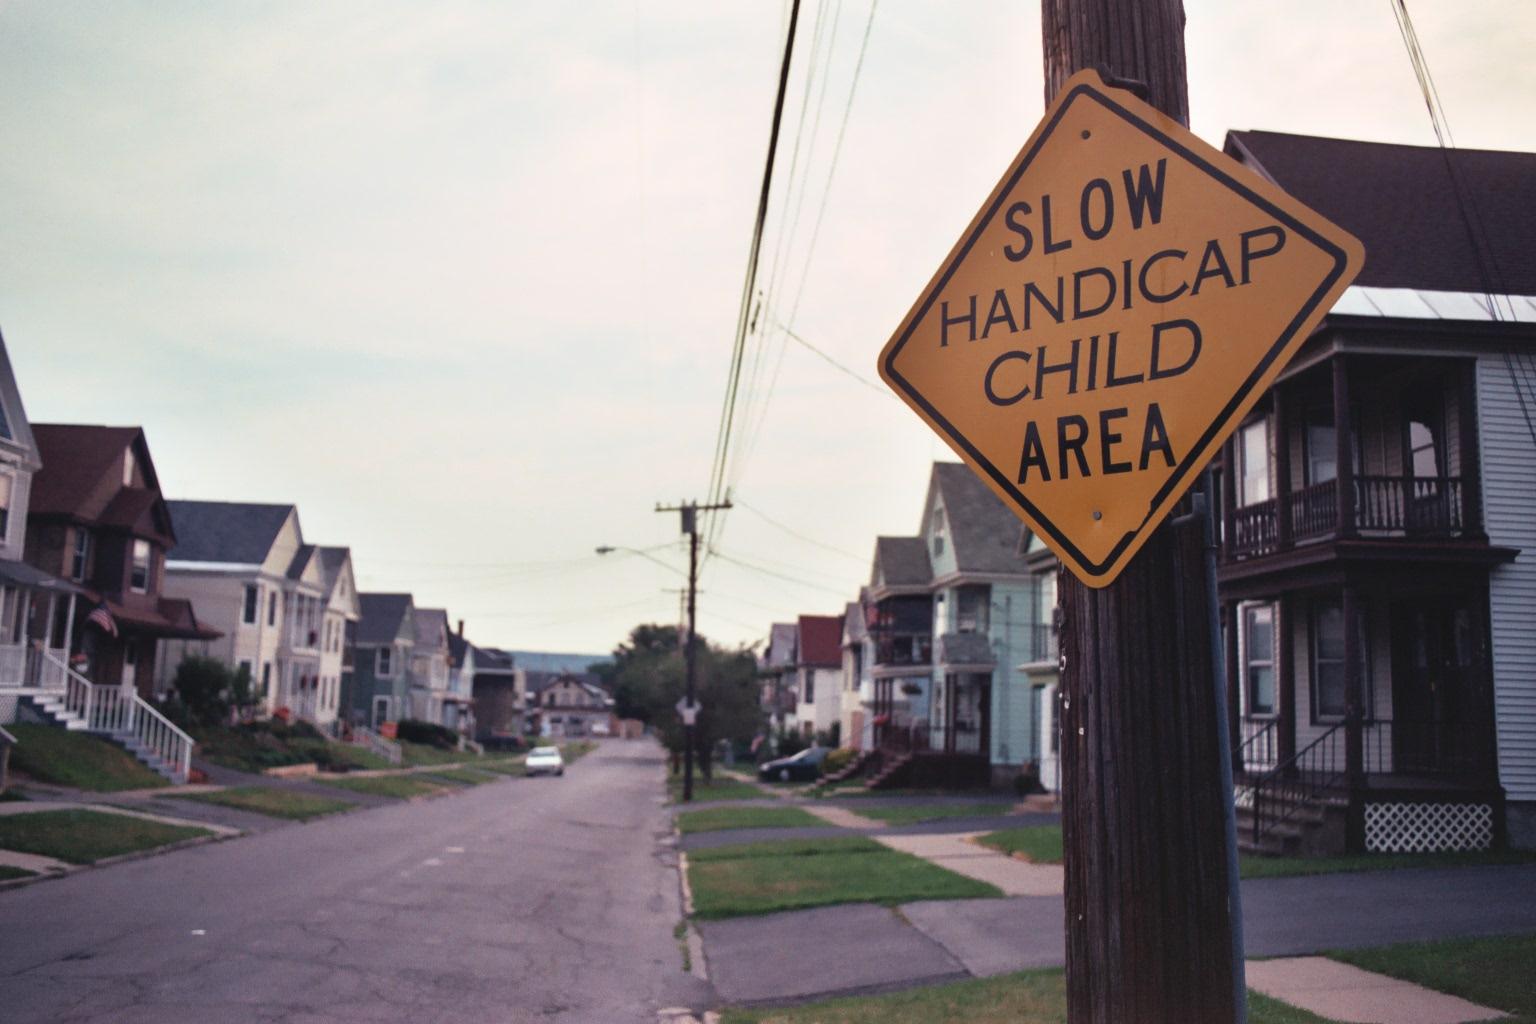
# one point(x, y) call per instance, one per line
point(1354, 711)
point(951, 703)
point(1234, 684)
point(69, 628)
point(1282, 467)
point(1285, 658)
point(1343, 437)
point(1471, 462)
point(1228, 498)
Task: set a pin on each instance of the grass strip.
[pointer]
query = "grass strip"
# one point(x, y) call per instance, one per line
point(911, 813)
point(1028, 997)
point(507, 766)
point(460, 776)
point(788, 848)
point(400, 787)
point(716, 789)
point(1040, 844)
point(271, 801)
point(85, 837)
point(1494, 972)
point(717, 819)
point(417, 755)
point(815, 875)
point(9, 874)
point(77, 760)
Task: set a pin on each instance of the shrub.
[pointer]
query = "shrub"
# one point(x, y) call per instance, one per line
point(1028, 780)
point(204, 688)
point(413, 730)
point(837, 760)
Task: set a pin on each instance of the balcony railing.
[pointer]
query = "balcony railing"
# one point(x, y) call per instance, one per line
point(1043, 645)
point(1419, 507)
point(904, 649)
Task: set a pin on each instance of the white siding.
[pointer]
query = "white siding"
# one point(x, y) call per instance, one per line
point(1509, 509)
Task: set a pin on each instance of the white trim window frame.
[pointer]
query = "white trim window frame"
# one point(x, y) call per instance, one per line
point(80, 554)
point(383, 662)
point(7, 499)
point(143, 557)
point(1260, 661)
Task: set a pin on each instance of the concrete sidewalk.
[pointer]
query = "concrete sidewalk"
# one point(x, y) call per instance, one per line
point(960, 853)
point(1343, 992)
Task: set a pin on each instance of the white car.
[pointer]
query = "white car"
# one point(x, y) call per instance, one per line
point(545, 759)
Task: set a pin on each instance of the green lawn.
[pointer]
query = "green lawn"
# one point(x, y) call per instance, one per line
point(716, 819)
point(504, 766)
point(1029, 997)
point(401, 787)
point(415, 755)
point(908, 814)
point(763, 878)
point(84, 837)
point(271, 801)
point(77, 760)
point(720, 789)
point(257, 747)
point(576, 750)
point(1038, 843)
point(1494, 972)
point(1284, 867)
point(461, 776)
point(8, 873)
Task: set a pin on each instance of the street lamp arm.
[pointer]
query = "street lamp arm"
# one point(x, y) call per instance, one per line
point(608, 549)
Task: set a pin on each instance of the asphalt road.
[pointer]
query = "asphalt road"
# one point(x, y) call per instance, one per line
point(521, 900)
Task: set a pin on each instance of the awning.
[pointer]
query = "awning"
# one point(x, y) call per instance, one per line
point(21, 574)
point(171, 619)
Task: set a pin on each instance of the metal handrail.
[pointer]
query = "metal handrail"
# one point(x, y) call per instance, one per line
point(387, 749)
point(1312, 771)
point(1261, 747)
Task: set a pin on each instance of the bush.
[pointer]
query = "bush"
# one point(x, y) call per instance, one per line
point(204, 688)
point(1027, 782)
point(413, 730)
point(837, 760)
point(504, 743)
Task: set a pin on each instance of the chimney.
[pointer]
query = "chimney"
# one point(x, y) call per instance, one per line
point(461, 629)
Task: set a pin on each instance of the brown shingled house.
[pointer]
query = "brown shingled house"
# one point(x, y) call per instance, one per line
point(98, 518)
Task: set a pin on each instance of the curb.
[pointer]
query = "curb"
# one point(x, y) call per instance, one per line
point(122, 858)
point(698, 966)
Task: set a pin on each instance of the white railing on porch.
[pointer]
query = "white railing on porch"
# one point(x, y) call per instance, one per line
point(123, 713)
point(24, 666)
point(389, 750)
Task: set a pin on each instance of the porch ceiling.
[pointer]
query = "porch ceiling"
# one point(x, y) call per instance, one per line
point(1399, 564)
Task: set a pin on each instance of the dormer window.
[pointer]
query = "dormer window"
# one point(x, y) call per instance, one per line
point(7, 486)
point(940, 529)
point(128, 465)
point(80, 557)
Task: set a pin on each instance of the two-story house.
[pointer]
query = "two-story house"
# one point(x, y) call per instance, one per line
point(500, 691)
point(575, 705)
point(430, 656)
point(281, 604)
point(381, 679)
point(898, 616)
point(340, 612)
point(37, 609)
point(779, 691)
point(818, 676)
point(858, 691)
point(459, 698)
point(98, 518)
point(1375, 573)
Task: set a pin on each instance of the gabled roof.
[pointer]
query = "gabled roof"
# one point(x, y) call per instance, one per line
point(984, 533)
point(240, 533)
point(821, 640)
point(854, 629)
point(781, 645)
point(538, 681)
point(1404, 204)
point(493, 659)
point(382, 616)
point(457, 648)
point(81, 479)
point(901, 561)
point(15, 429)
point(431, 627)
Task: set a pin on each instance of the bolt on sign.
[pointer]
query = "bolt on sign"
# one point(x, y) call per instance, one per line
point(1122, 299)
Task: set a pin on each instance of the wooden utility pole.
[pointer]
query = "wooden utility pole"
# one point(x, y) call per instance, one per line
point(690, 523)
point(1148, 877)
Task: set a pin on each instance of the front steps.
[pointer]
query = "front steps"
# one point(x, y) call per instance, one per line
point(51, 710)
point(1311, 828)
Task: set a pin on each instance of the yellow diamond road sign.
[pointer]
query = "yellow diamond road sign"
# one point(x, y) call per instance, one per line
point(1124, 296)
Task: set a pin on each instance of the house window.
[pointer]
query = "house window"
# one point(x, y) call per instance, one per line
point(252, 603)
point(80, 557)
point(1259, 658)
point(1329, 683)
point(138, 579)
point(7, 485)
point(272, 608)
point(972, 604)
point(940, 530)
point(1423, 448)
point(384, 663)
point(128, 462)
point(1322, 451)
point(810, 688)
point(266, 678)
point(1253, 459)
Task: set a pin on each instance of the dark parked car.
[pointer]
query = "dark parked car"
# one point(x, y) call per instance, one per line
point(803, 767)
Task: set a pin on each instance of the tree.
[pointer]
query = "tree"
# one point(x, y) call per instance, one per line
point(648, 680)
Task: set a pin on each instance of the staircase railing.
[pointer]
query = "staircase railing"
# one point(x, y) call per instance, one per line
point(123, 713)
point(1260, 749)
point(389, 750)
point(1313, 771)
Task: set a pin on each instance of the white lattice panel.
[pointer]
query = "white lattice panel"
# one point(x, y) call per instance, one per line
point(1427, 828)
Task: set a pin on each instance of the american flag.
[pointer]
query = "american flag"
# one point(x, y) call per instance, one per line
point(102, 618)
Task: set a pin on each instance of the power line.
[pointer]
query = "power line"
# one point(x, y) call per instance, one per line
point(776, 575)
point(765, 517)
point(856, 375)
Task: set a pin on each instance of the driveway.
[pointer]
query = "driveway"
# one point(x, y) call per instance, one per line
point(520, 900)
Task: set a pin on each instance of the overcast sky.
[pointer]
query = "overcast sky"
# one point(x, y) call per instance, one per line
point(460, 279)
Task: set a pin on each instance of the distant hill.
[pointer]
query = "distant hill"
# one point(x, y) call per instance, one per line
point(544, 661)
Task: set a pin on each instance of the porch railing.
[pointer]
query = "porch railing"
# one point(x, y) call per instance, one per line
point(1280, 793)
point(365, 737)
point(1043, 644)
point(908, 738)
point(1390, 505)
point(1260, 749)
point(28, 666)
point(1427, 747)
point(121, 712)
